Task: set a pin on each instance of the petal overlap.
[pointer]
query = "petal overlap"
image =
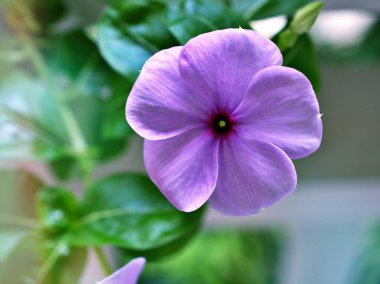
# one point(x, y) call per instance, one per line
point(161, 104)
point(252, 175)
point(280, 107)
point(184, 167)
point(221, 64)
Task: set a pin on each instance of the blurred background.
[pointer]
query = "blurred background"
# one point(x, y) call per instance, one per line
point(326, 232)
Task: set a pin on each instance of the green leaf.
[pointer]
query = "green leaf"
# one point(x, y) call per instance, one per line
point(159, 253)
point(33, 128)
point(18, 143)
point(127, 210)
point(221, 256)
point(39, 260)
point(301, 23)
point(65, 167)
point(189, 18)
point(303, 57)
point(48, 12)
point(57, 209)
point(25, 105)
point(248, 8)
point(128, 36)
point(124, 54)
point(259, 9)
point(76, 64)
point(95, 94)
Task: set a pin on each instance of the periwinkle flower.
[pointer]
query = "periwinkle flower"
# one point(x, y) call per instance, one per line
point(128, 274)
point(221, 120)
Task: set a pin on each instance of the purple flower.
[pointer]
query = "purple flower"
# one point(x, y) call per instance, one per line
point(222, 119)
point(128, 274)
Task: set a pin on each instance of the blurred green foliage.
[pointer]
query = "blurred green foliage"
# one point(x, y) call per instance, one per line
point(366, 266)
point(188, 18)
point(57, 209)
point(25, 104)
point(17, 189)
point(303, 56)
point(62, 98)
point(35, 256)
point(259, 9)
point(124, 210)
point(221, 256)
point(133, 31)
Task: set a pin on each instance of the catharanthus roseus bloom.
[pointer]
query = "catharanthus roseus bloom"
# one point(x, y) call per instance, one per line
point(128, 274)
point(222, 119)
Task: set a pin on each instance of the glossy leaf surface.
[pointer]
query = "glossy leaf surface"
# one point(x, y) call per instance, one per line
point(127, 210)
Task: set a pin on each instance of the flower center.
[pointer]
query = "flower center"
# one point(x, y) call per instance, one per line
point(221, 124)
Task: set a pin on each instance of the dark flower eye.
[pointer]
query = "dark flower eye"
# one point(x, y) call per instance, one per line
point(221, 124)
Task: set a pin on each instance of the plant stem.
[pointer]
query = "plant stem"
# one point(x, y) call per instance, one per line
point(76, 138)
point(107, 269)
point(51, 260)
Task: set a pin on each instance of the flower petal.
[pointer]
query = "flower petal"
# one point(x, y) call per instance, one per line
point(161, 104)
point(281, 108)
point(252, 175)
point(221, 64)
point(128, 274)
point(184, 167)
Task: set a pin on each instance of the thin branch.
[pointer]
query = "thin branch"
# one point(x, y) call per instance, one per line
point(58, 250)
